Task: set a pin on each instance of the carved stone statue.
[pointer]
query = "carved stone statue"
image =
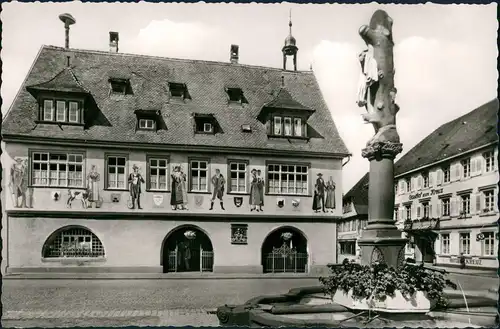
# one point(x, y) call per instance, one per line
point(376, 91)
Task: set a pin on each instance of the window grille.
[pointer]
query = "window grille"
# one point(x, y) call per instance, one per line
point(74, 243)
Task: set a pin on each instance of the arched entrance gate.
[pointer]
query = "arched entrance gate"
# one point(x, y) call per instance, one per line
point(285, 250)
point(187, 249)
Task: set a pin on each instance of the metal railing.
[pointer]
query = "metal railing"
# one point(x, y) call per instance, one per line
point(285, 260)
point(206, 260)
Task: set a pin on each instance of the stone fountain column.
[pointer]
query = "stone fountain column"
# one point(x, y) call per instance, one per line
point(381, 240)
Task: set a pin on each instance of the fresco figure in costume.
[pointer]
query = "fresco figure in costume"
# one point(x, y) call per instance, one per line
point(255, 199)
point(260, 185)
point(218, 183)
point(134, 182)
point(184, 189)
point(330, 195)
point(376, 90)
point(93, 179)
point(176, 197)
point(319, 194)
point(19, 184)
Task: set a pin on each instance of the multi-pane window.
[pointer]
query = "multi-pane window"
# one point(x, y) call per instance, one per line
point(445, 244)
point(488, 246)
point(48, 110)
point(116, 172)
point(489, 201)
point(445, 207)
point(158, 174)
point(464, 243)
point(425, 177)
point(57, 169)
point(446, 174)
point(466, 167)
point(287, 179)
point(288, 126)
point(238, 172)
point(489, 161)
point(426, 209)
point(60, 111)
point(74, 242)
point(465, 204)
point(199, 174)
point(408, 211)
point(408, 184)
point(146, 124)
point(348, 247)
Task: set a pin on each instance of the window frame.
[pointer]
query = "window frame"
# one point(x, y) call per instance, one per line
point(490, 159)
point(293, 121)
point(426, 205)
point(446, 173)
point(485, 199)
point(408, 211)
point(465, 198)
point(153, 124)
point(208, 175)
point(59, 236)
point(464, 236)
point(158, 157)
point(425, 180)
point(107, 156)
point(445, 237)
point(173, 87)
point(488, 236)
point(445, 203)
point(31, 171)
point(68, 101)
point(309, 180)
point(229, 177)
point(466, 167)
point(408, 184)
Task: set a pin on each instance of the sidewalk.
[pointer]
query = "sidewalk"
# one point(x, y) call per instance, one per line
point(154, 276)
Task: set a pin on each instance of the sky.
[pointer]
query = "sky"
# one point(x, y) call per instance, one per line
point(445, 55)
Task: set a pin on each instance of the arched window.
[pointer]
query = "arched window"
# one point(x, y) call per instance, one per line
point(73, 242)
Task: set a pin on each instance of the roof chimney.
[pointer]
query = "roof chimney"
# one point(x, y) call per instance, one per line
point(113, 42)
point(68, 20)
point(234, 54)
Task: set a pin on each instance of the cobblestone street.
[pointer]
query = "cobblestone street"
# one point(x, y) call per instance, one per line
point(63, 303)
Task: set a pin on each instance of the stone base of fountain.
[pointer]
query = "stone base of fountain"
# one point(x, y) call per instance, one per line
point(418, 303)
point(310, 306)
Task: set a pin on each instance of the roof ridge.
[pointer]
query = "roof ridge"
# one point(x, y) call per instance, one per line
point(103, 52)
point(76, 79)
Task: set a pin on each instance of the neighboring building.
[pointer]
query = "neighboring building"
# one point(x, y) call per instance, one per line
point(125, 162)
point(355, 219)
point(446, 192)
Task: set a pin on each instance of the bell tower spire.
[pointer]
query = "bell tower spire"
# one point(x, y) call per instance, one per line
point(290, 48)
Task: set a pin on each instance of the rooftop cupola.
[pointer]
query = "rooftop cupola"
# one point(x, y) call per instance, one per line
point(290, 48)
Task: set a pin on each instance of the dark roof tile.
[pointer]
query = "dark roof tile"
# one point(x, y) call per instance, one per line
point(359, 195)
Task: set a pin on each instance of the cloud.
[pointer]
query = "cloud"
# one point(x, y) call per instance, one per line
point(189, 40)
point(437, 81)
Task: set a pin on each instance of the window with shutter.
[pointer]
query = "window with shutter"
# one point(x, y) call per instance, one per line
point(431, 179)
point(439, 177)
point(478, 203)
point(473, 168)
point(458, 169)
point(418, 212)
point(479, 165)
point(419, 179)
point(453, 207)
point(439, 207)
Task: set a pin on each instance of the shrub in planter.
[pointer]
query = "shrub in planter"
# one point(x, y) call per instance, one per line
point(377, 281)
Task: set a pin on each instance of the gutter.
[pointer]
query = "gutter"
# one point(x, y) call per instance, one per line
point(348, 159)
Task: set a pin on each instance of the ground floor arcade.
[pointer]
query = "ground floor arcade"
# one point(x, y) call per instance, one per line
point(180, 245)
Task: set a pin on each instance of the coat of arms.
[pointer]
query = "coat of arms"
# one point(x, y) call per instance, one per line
point(280, 202)
point(198, 200)
point(158, 199)
point(295, 203)
point(238, 201)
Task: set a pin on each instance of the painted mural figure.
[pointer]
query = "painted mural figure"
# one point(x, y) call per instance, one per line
point(330, 195)
point(319, 194)
point(19, 184)
point(218, 183)
point(260, 185)
point(178, 197)
point(93, 179)
point(255, 197)
point(134, 180)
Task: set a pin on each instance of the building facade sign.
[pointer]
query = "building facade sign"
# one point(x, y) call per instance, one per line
point(468, 261)
point(425, 194)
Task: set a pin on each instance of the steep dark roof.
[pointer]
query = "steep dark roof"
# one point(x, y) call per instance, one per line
point(64, 81)
point(285, 101)
point(359, 195)
point(470, 131)
point(149, 77)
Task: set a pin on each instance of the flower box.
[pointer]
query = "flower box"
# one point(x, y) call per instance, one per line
point(418, 303)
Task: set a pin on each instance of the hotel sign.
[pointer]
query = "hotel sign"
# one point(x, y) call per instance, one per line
point(468, 261)
point(425, 194)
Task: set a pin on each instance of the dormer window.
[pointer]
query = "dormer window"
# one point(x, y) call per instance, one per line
point(206, 124)
point(288, 126)
point(147, 124)
point(61, 111)
point(235, 95)
point(178, 90)
point(148, 119)
point(120, 86)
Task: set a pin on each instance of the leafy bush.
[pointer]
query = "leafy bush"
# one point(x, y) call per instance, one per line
point(378, 281)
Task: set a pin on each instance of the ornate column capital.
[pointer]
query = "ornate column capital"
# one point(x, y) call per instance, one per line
point(380, 150)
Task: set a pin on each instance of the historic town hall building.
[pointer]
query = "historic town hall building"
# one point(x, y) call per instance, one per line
point(123, 162)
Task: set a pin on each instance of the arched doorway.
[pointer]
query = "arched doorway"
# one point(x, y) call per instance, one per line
point(285, 250)
point(73, 242)
point(187, 249)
